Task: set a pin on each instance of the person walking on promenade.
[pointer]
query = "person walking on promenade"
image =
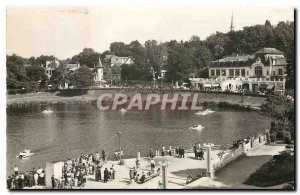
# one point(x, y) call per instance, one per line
point(195, 150)
point(152, 164)
point(53, 182)
point(16, 169)
point(105, 175)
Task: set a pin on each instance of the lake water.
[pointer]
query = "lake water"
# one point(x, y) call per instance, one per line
point(73, 129)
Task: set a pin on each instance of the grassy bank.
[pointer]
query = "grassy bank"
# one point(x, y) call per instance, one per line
point(278, 170)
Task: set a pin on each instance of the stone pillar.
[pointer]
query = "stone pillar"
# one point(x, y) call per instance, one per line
point(250, 86)
point(244, 148)
point(164, 173)
point(209, 171)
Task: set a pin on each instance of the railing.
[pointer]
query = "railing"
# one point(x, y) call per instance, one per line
point(235, 79)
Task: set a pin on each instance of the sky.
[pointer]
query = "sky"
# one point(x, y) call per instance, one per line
point(65, 31)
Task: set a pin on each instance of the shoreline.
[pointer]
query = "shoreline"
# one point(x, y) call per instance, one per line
point(90, 97)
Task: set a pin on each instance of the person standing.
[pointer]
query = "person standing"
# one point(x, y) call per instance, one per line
point(112, 172)
point(42, 178)
point(30, 179)
point(195, 150)
point(152, 164)
point(151, 153)
point(131, 175)
point(99, 174)
point(105, 175)
point(16, 169)
point(8, 182)
point(53, 181)
point(35, 177)
point(20, 182)
point(103, 156)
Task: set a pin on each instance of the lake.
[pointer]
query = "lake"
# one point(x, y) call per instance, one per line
point(72, 129)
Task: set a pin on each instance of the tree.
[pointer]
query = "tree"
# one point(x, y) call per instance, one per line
point(81, 78)
point(87, 57)
point(154, 55)
point(119, 49)
point(16, 74)
point(180, 64)
point(137, 52)
point(130, 72)
point(36, 73)
point(282, 111)
point(60, 76)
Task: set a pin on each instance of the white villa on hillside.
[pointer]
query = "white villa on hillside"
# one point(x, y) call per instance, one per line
point(50, 66)
point(263, 70)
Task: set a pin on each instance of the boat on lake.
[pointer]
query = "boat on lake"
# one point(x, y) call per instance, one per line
point(25, 154)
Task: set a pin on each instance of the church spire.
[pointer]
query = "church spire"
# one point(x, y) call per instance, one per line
point(100, 63)
point(231, 26)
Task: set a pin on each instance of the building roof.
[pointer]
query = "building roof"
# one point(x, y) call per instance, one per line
point(235, 58)
point(107, 57)
point(269, 51)
point(72, 66)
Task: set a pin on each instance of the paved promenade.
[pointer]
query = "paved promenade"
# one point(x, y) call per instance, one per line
point(178, 171)
point(233, 175)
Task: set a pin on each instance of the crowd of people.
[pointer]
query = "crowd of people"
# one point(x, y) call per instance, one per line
point(139, 175)
point(177, 152)
point(20, 180)
point(76, 170)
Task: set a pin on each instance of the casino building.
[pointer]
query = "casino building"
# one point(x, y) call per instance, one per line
point(263, 71)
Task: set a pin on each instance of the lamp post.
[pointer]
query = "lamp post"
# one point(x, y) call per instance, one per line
point(120, 156)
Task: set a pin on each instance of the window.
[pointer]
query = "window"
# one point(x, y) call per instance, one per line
point(267, 72)
point(218, 72)
point(274, 73)
point(247, 72)
point(243, 72)
point(212, 73)
point(223, 72)
point(258, 71)
point(237, 72)
point(279, 71)
point(230, 72)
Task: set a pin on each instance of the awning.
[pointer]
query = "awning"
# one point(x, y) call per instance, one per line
point(215, 85)
point(263, 86)
point(207, 85)
point(270, 87)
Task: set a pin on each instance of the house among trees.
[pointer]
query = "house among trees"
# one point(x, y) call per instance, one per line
point(265, 70)
point(115, 60)
point(72, 67)
point(50, 66)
